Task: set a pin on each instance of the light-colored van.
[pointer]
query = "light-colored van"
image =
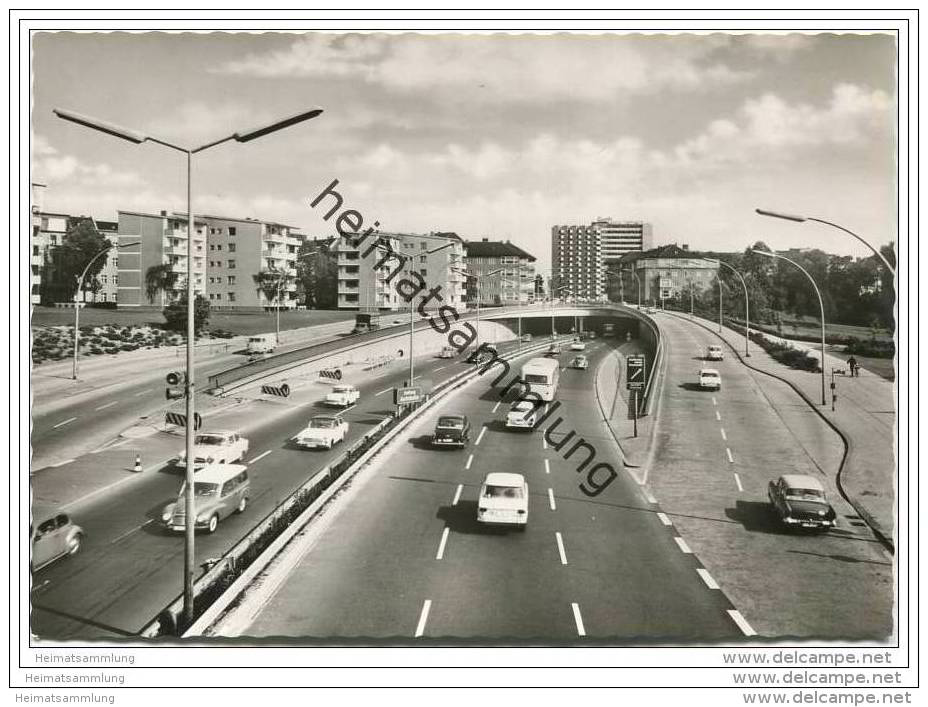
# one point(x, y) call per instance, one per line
point(219, 490)
point(263, 343)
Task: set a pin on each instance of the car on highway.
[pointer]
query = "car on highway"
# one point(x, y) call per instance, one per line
point(577, 346)
point(482, 354)
point(580, 363)
point(714, 353)
point(451, 431)
point(219, 490)
point(322, 432)
point(799, 501)
point(709, 378)
point(526, 338)
point(219, 447)
point(53, 536)
point(503, 500)
point(447, 352)
point(521, 415)
point(342, 396)
point(261, 344)
point(553, 350)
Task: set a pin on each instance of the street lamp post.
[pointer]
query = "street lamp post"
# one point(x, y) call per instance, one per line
point(801, 219)
point(747, 308)
point(820, 305)
point(138, 138)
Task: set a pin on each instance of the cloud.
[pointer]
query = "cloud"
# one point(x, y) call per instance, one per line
point(503, 67)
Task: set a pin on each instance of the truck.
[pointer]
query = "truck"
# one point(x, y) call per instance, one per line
point(366, 321)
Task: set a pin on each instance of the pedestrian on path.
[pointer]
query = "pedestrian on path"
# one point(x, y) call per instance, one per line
point(855, 369)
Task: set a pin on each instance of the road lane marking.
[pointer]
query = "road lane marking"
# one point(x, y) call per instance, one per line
point(423, 617)
point(738, 481)
point(496, 407)
point(578, 619)
point(469, 460)
point(261, 456)
point(385, 390)
point(440, 368)
point(544, 442)
point(714, 402)
point(664, 519)
point(551, 500)
point(560, 548)
point(480, 436)
point(724, 436)
point(707, 578)
point(129, 532)
point(457, 495)
point(718, 416)
point(441, 545)
point(742, 623)
point(142, 392)
point(728, 452)
point(65, 422)
point(547, 467)
point(649, 496)
point(107, 447)
point(681, 543)
point(66, 461)
point(110, 404)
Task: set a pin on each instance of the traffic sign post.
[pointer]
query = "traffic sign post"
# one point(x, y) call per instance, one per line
point(407, 396)
point(635, 378)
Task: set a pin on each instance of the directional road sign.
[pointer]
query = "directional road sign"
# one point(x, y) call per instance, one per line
point(635, 372)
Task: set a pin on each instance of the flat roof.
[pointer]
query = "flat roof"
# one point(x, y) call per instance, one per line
point(246, 220)
point(173, 216)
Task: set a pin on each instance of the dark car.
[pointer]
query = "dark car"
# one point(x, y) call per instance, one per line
point(553, 350)
point(799, 500)
point(451, 431)
point(482, 354)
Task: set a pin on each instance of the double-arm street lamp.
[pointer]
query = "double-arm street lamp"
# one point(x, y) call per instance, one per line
point(77, 300)
point(747, 311)
point(138, 138)
point(820, 305)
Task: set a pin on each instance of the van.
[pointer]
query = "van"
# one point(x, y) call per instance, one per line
point(53, 536)
point(263, 343)
point(219, 490)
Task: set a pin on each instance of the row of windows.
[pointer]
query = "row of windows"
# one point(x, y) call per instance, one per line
point(218, 231)
point(218, 280)
point(218, 246)
point(218, 296)
point(230, 264)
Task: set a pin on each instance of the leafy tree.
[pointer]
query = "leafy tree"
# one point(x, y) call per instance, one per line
point(158, 280)
point(317, 277)
point(272, 283)
point(80, 245)
point(175, 314)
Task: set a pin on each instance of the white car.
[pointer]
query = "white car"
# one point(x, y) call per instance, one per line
point(343, 396)
point(580, 363)
point(714, 353)
point(521, 415)
point(221, 447)
point(710, 378)
point(578, 346)
point(322, 432)
point(447, 352)
point(503, 500)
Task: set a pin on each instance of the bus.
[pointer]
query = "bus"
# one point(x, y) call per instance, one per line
point(540, 376)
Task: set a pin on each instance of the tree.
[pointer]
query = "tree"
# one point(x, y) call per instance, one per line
point(317, 277)
point(175, 314)
point(158, 280)
point(272, 283)
point(80, 245)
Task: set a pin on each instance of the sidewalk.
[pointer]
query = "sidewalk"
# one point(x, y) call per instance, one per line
point(865, 416)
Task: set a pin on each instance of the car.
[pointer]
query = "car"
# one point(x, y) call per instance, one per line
point(553, 350)
point(799, 501)
point(220, 491)
point(577, 346)
point(342, 396)
point(482, 354)
point(447, 352)
point(710, 378)
point(526, 338)
point(322, 432)
point(503, 500)
point(522, 415)
point(714, 353)
point(53, 536)
point(580, 363)
point(451, 431)
point(221, 447)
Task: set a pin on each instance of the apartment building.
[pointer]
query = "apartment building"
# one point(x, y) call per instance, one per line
point(619, 238)
point(239, 249)
point(364, 286)
point(665, 273)
point(48, 231)
point(159, 239)
point(513, 286)
point(577, 262)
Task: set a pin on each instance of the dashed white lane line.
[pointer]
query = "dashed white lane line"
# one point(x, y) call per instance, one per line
point(129, 532)
point(681, 543)
point(108, 405)
point(578, 619)
point(649, 496)
point(742, 623)
point(738, 481)
point(457, 495)
point(560, 548)
point(440, 368)
point(66, 461)
point(714, 401)
point(469, 460)
point(261, 456)
point(664, 519)
point(142, 392)
point(547, 467)
point(496, 407)
point(441, 545)
point(728, 452)
point(385, 390)
point(551, 500)
point(483, 431)
point(724, 436)
point(64, 422)
point(718, 416)
point(544, 442)
point(707, 578)
point(423, 617)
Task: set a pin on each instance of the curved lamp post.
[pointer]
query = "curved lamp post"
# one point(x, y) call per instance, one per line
point(800, 219)
point(820, 305)
point(138, 138)
point(747, 314)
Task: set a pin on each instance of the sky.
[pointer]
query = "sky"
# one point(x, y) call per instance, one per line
point(496, 136)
